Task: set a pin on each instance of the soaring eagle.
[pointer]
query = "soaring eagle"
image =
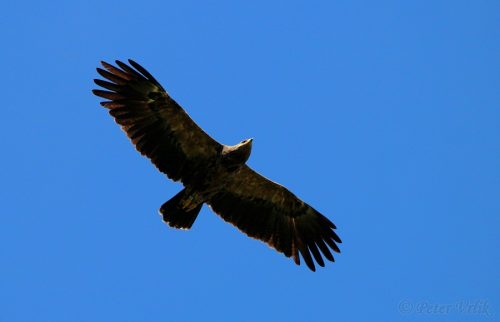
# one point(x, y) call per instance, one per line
point(212, 173)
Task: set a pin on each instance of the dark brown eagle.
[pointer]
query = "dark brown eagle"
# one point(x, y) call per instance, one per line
point(212, 173)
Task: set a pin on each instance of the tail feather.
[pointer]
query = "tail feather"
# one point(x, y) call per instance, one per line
point(175, 216)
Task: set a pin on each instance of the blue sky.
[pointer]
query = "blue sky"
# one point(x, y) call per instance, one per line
point(382, 115)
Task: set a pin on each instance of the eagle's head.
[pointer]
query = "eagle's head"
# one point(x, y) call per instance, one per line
point(247, 142)
point(238, 154)
point(245, 147)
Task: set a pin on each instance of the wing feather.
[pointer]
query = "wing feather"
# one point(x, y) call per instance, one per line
point(267, 211)
point(158, 127)
point(112, 77)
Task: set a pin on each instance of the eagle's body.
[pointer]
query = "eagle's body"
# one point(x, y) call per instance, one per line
point(216, 173)
point(211, 172)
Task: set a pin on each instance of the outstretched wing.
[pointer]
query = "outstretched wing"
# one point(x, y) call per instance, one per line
point(158, 127)
point(267, 211)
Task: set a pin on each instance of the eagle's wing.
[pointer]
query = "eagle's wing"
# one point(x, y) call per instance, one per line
point(158, 127)
point(267, 211)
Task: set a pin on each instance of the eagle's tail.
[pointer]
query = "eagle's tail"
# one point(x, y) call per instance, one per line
point(178, 213)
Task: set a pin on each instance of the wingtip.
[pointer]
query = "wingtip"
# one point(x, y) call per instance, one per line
point(336, 238)
point(100, 71)
point(106, 65)
point(309, 261)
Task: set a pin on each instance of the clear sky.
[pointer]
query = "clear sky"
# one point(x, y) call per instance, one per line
point(383, 115)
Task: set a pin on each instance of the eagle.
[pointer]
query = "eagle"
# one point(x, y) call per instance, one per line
point(212, 173)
